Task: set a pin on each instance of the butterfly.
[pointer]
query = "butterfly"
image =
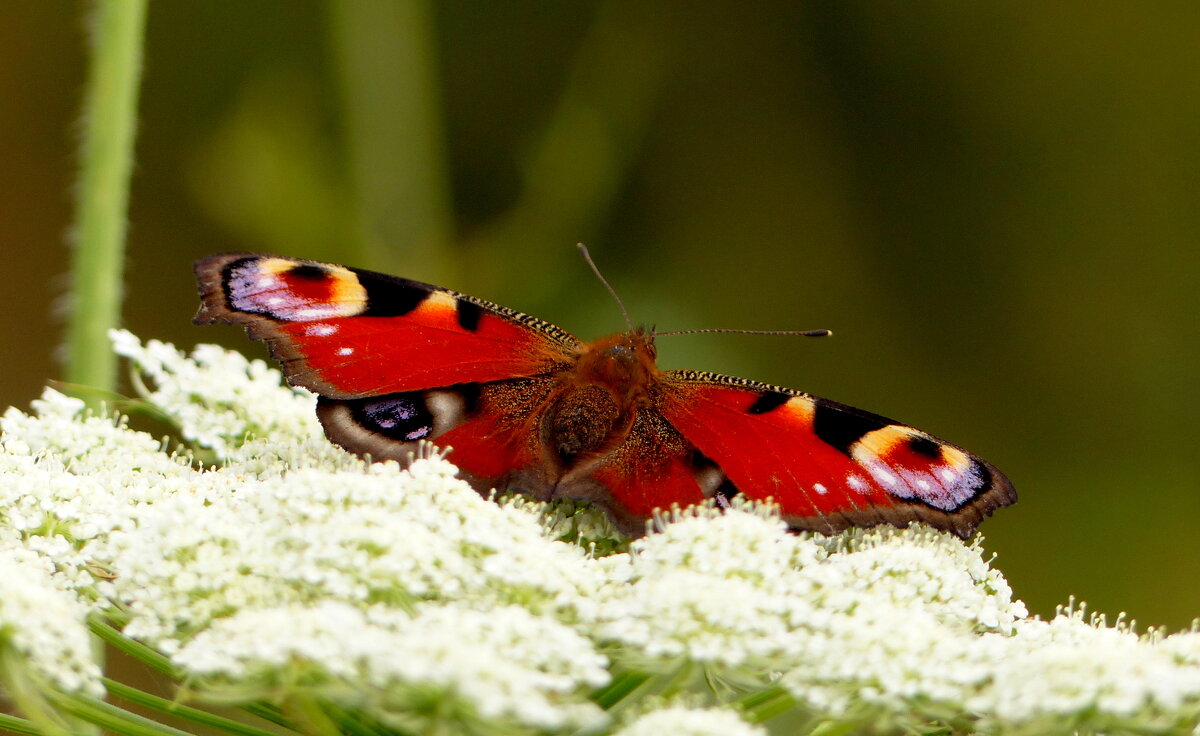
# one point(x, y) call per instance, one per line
point(526, 406)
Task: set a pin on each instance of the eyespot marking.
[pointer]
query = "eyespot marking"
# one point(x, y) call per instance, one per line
point(982, 475)
point(712, 480)
point(922, 445)
point(402, 416)
point(388, 426)
point(884, 443)
point(309, 272)
point(288, 291)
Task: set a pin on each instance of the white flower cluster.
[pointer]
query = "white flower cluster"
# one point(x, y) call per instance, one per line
point(67, 478)
point(502, 665)
point(716, 591)
point(1083, 667)
point(44, 625)
point(233, 406)
point(679, 721)
point(406, 596)
point(362, 536)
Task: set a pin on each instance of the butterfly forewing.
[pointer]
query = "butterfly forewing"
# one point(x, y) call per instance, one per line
point(828, 465)
point(349, 333)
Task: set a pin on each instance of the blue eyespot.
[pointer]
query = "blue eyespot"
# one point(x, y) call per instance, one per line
point(399, 416)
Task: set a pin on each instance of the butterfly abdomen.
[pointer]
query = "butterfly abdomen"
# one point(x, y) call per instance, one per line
point(582, 419)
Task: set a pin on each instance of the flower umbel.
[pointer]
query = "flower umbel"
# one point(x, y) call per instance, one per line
point(301, 583)
point(501, 666)
point(44, 625)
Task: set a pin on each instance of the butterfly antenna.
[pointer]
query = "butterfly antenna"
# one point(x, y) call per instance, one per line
point(588, 257)
point(801, 333)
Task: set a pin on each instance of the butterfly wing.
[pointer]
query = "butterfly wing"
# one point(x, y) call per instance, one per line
point(653, 468)
point(492, 429)
point(396, 361)
point(347, 333)
point(827, 465)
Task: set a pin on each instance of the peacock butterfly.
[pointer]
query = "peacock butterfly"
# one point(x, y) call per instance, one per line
point(527, 406)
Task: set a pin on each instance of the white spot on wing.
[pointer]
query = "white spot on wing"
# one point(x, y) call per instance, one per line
point(345, 351)
point(321, 330)
point(309, 312)
point(882, 475)
point(856, 483)
point(820, 489)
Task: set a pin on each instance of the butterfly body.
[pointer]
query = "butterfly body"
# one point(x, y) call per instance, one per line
point(526, 406)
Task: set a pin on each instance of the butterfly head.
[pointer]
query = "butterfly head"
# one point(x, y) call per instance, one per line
point(630, 347)
point(626, 359)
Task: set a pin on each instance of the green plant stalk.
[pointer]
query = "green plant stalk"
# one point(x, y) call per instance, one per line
point(12, 724)
point(142, 653)
point(155, 660)
point(111, 718)
point(766, 704)
point(98, 235)
point(184, 712)
point(29, 696)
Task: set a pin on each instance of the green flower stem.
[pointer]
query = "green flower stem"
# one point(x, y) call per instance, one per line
point(170, 707)
point(12, 724)
point(350, 723)
point(309, 711)
point(25, 690)
point(622, 686)
point(268, 713)
point(142, 653)
point(155, 660)
point(841, 728)
point(767, 704)
point(109, 115)
point(111, 718)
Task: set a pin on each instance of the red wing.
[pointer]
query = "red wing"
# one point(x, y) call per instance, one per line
point(654, 467)
point(827, 465)
point(490, 428)
point(346, 333)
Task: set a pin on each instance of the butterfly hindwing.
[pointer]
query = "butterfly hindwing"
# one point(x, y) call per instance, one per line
point(492, 428)
point(827, 465)
point(348, 333)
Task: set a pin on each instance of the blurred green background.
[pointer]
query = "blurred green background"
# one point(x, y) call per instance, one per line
point(995, 207)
